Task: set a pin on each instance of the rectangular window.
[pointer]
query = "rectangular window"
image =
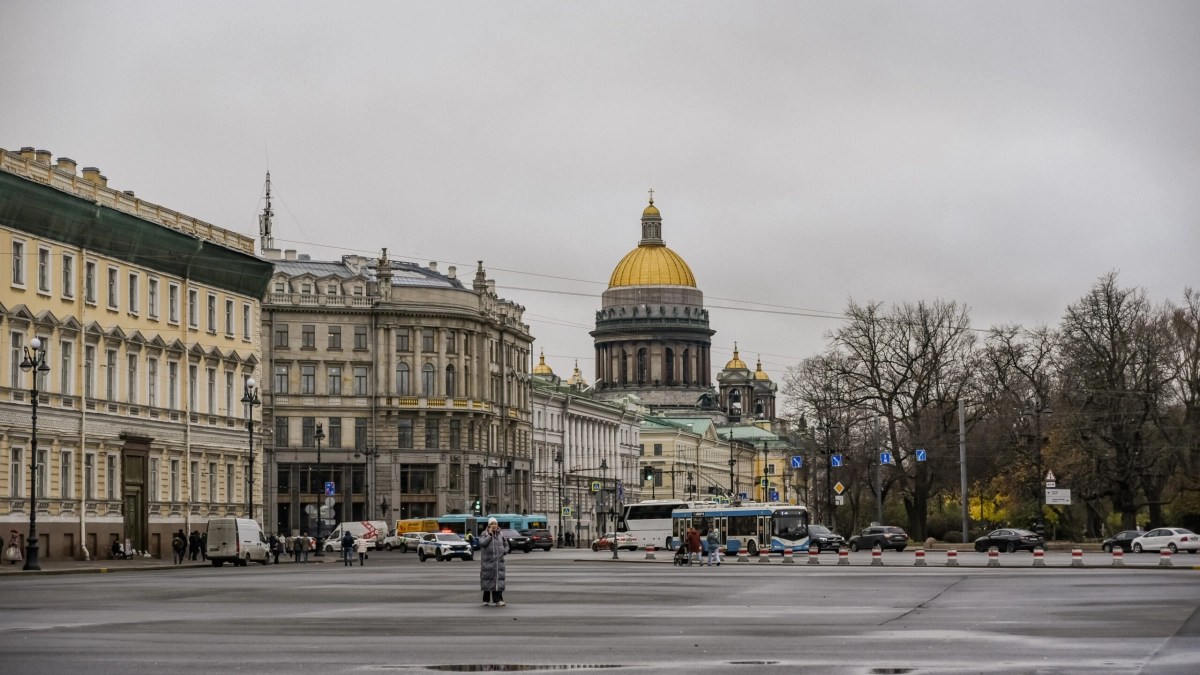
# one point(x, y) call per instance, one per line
point(642, 450)
point(110, 375)
point(308, 379)
point(335, 432)
point(769, 469)
point(16, 473)
point(43, 479)
point(152, 383)
point(43, 270)
point(431, 434)
point(308, 336)
point(360, 337)
point(360, 380)
point(18, 263)
point(335, 337)
point(229, 323)
point(335, 381)
point(193, 394)
point(658, 449)
point(131, 386)
point(360, 433)
point(229, 393)
point(455, 476)
point(212, 313)
point(41, 378)
point(281, 432)
point(173, 303)
point(68, 276)
point(89, 282)
point(212, 481)
point(658, 477)
point(89, 371)
point(212, 391)
point(17, 340)
point(451, 342)
point(114, 288)
point(194, 481)
point(455, 434)
point(173, 385)
point(281, 336)
point(308, 427)
point(193, 309)
point(405, 436)
point(89, 476)
point(229, 488)
point(427, 341)
point(281, 379)
point(152, 298)
point(418, 479)
point(155, 487)
point(245, 321)
point(134, 300)
point(331, 289)
point(66, 475)
point(175, 483)
point(402, 340)
point(110, 479)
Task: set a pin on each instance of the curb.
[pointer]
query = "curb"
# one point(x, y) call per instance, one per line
point(114, 570)
point(936, 567)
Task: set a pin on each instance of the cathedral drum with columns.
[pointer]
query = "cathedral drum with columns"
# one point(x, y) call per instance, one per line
point(652, 336)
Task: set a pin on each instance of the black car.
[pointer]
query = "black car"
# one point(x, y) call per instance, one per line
point(883, 536)
point(541, 538)
point(823, 539)
point(1009, 541)
point(1123, 541)
point(517, 541)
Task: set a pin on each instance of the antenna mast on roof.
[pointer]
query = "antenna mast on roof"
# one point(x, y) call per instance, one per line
point(264, 220)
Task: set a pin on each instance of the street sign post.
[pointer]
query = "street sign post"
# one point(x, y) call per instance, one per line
point(774, 495)
point(330, 501)
point(885, 458)
point(839, 500)
point(920, 455)
point(835, 460)
point(797, 461)
point(330, 488)
point(839, 488)
point(1058, 497)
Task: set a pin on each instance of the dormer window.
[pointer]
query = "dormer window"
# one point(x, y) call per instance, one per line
point(331, 290)
point(306, 289)
point(280, 287)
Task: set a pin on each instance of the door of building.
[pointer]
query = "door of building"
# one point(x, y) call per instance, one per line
point(136, 511)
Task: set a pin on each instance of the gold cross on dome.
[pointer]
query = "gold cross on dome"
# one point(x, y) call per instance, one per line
point(651, 195)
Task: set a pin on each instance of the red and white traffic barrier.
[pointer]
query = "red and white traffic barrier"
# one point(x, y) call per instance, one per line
point(764, 555)
point(650, 553)
point(1039, 557)
point(1164, 558)
point(952, 558)
point(993, 557)
point(814, 555)
point(787, 557)
point(1076, 557)
point(1118, 557)
point(877, 556)
point(920, 561)
point(843, 556)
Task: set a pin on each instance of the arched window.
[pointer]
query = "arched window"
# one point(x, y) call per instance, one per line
point(428, 383)
point(735, 402)
point(403, 386)
point(687, 366)
point(758, 407)
point(641, 366)
point(670, 366)
point(450, 380)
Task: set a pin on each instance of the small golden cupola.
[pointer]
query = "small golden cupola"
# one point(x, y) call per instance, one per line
point(576, 379)
point(735, 362)
point(541, 368)
point(758, 372)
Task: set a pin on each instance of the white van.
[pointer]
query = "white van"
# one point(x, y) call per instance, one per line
point(236, 540)
point(374, 531)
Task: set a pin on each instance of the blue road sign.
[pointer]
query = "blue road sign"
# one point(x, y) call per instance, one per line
point(620, 492)
point(774, 495)
point(329, 488)
point(885, 458)
point(743, 495)
point(920, 455)
point(797, 461)
point(835, 460)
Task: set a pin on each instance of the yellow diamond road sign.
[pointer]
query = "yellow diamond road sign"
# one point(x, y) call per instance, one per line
point(839, 488)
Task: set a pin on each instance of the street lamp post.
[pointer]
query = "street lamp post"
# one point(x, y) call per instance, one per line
point(1035, 410)
point(732, 463)
point(370, 454)
point(558, 459)
point(251, 400)
point(604, 516)
point(34, 360)
point(765, 482)
point(318, 437)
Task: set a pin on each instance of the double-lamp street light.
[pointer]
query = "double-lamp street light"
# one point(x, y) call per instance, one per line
point(35, 360)
point(251, 401)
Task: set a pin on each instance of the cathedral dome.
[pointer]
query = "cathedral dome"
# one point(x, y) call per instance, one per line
point(650, 264)
point(541, 368)
point(651, 210)
point(759, 374)
point(735, 362)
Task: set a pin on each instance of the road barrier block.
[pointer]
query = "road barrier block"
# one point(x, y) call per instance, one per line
point(787, 557)
point(920, 561)
point(1076, 557)
point(952, 558)
point(993, 557)
point(764, 555)
point(843, 556)
point(1118, 557)
point(1039, 557)
point(877, 556)
point(814, 555)
point(1164, 558)
point(650, 553)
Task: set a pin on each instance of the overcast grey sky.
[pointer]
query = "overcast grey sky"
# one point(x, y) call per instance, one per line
point(1003, 155)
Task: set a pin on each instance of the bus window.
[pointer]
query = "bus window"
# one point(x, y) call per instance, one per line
point(742, 526)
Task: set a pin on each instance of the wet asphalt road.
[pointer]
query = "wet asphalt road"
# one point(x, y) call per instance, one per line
point(397, 614)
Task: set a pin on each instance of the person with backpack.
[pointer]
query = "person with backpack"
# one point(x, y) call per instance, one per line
point(178, 547)
point(347, 549)
point(713, 541)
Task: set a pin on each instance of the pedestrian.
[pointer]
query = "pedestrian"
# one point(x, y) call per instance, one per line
point(194, 545)
point(693, 544)
point(277, 548)
point(306, 544)
point(204, 547)
point(296, 547)
point(494, 547)
point(178, 547)
point(714, 547)
point(360, 546)
point(347, 549)
point(12, 553)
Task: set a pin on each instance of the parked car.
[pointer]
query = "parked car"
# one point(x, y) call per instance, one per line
point(541, 538)
point(517, 541)
point(1009, 541)
point(237, 541)
point(1170, 538)
point(374, 531)
point(404, 542)
point(1123, 541)
point(824, 539)
point(883, 536)
point(624, 540)
point(443, 546)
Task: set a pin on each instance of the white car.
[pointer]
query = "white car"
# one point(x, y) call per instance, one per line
point(624, 541)
point(405, 542)
point(1170, 538)
point(443, 546)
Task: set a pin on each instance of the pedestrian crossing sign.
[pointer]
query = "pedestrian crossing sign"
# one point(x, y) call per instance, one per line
point(835, 460)
point(763, 482)
point(566, 512)
point(597, 486)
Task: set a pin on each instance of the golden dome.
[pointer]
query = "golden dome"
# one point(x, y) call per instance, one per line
point(577, 377)
point(650, 264)
point(541, 368)
point(735, 362)
point(758, 373)
point(651, 210)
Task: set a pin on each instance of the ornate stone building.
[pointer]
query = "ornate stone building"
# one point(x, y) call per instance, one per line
point(419, 382)
point(746, 395)
point(151, 324)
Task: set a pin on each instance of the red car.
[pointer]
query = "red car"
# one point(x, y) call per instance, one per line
point(625, 541)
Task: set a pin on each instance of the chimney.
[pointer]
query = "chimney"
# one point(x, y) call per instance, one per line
point(128, 193)
point(103, 180)
point(432, 265)
point(272, 254)
point(491, 286)
point(451, 272)
point(42, 156)
point(91, 174)
point(66, 164)
point(289, 254)
point(27, 152)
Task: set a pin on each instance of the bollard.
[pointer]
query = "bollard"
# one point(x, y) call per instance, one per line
point(1118, 556)
point(843, 556)
point(877, 556)
point(1164, 558)
point(993, 557)
point(787, 557)
point(920, 562)
point(1076, 557)
point(650, 553)
point(741, 555)
point(1039, 559)
point(764, 555)
point(952, 558)
point(814, 555)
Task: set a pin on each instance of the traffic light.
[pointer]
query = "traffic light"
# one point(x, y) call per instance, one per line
point(647, 473)
point(477, 505)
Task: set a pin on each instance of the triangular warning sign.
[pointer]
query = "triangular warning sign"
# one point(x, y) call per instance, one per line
point(1049, 476)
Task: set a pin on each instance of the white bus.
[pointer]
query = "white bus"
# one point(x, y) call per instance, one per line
point(650, 521)
point(749, 526)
